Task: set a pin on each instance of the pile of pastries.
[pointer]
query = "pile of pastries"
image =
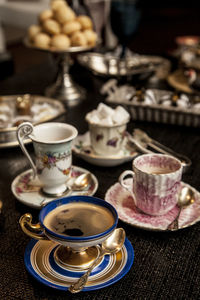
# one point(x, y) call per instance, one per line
point(60, 28)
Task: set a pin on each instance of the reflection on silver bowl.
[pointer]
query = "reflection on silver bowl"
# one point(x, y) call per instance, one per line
point(104, 65)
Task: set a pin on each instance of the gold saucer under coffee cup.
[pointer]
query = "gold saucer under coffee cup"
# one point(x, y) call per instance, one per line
point(78, 223)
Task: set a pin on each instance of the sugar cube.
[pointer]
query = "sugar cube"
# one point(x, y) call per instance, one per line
point(104, 110)
point(107, 121)
point(120, 115)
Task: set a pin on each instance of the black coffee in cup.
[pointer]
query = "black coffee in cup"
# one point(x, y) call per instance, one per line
point(79, 219)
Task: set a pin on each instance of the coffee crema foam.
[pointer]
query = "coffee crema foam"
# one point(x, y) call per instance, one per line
point(79, 219)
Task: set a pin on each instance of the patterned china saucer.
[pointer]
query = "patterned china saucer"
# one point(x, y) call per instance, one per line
point(40, 263)
point(28, 192)
point(82, 148)
point(123, 202)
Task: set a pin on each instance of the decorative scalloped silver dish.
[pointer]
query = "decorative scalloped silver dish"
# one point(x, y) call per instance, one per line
point(107, 65)
point(42, 109)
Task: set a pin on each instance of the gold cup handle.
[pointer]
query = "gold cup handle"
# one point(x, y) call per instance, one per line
point(35, 231)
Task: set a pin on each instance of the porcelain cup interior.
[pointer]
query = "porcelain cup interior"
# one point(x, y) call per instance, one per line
point(53, 133)
point(107, 140)
point(156, 182)
point(79, 242)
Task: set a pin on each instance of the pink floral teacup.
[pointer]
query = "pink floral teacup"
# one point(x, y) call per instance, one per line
point(52, 146)
point(156, 182)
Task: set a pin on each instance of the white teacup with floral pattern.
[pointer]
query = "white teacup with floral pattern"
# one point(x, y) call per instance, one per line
point(52, 146)
point(107, 139)
point(107, 129)
point(156, 182)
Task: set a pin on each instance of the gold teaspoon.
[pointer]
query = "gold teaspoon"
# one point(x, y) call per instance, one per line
point(110, 246)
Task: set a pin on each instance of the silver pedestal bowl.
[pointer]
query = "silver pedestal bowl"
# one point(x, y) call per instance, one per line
point(64, 88)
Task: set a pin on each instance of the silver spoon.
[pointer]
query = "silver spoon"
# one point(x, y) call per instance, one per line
point(80, 183)
point(142, 140)
point(186, 197)
point(110, 246)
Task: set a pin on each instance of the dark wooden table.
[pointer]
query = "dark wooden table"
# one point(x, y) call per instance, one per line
point(166, 265)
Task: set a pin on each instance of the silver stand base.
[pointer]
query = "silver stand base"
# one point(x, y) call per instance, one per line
point(64, 88)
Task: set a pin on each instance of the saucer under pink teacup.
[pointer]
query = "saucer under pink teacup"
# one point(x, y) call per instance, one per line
point(156, 182)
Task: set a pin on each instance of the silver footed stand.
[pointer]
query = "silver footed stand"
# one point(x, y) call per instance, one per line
point(64, 88)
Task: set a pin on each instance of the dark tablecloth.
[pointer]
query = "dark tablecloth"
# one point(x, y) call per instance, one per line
point(166, 265)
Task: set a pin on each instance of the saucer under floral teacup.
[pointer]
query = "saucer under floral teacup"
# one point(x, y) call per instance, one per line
point(52, 174)
point(83, 149)
point(28, 191)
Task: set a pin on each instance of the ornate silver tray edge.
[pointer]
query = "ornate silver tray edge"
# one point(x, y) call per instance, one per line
point(8, 135)
point(161, 114)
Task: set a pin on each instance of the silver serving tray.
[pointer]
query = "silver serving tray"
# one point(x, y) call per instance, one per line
point(159, 113)
point(104, 65)
point(8, 135)
point(166, 115)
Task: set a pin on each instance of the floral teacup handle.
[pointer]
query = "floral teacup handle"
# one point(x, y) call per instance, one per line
point(23, 132)
point(122, 178)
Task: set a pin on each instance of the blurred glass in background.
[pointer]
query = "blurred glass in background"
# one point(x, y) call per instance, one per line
point(116, 21)
point(124, 18)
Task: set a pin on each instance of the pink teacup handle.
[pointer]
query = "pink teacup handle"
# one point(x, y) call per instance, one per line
point(122, 178)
